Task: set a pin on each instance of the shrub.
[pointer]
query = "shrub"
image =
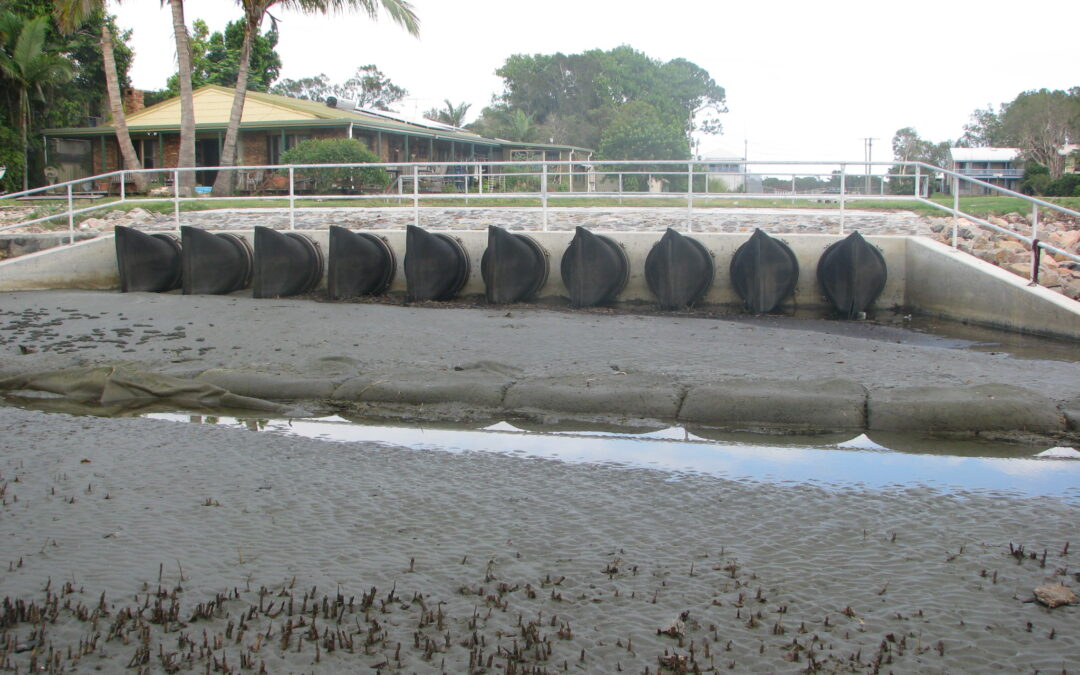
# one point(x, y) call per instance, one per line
point(338, 151)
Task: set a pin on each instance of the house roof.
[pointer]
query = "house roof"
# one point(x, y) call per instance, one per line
point(984, 154)
point(213, 105)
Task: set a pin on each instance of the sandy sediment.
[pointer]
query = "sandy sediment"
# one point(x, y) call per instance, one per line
point(222, 546)
point(748, 372)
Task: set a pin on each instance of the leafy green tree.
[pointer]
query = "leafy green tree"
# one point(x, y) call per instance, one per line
point(370, 88)
point(308, 88)
point(1042, 122)
point(573, 98)
point(31, 71)
point(215, 58)
point(518, 126)
point(985, 129)
point(400, 12)
point(337, 151)
point(640, 131)
point(908, 146)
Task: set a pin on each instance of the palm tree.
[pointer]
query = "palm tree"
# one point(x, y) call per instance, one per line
point(451, 114)
point(254, 11)
point(70, 14)
point(518, 125)
point(31, 70)
point(186, 157)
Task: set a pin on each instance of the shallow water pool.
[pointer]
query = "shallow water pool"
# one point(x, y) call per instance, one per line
point(837, 461)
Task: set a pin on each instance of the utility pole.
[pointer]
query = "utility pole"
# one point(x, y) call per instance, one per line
point(868, 153)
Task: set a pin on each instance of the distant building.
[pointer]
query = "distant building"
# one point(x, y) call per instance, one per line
point(725, 174)
point(998, 166)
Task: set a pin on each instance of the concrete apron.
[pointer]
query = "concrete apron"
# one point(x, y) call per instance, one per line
point(923, 277)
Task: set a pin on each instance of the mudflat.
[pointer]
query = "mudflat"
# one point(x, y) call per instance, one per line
point(159, 545)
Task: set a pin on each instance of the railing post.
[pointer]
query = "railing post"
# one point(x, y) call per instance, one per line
point(689, 198)
point(843, 195)
point(956, 212)
point(1035, 243)
point(292, 198)
point(176, 197)
point(416, 194)
point(620, 187)
point(123, 186)
point(71, 215)
point(544, 193)
point(918, 181)
point(479, 180)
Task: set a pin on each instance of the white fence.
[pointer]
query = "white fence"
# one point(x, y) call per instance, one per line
point(686, 184)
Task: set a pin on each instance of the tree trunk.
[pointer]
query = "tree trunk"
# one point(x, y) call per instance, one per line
point(187, 105)
point(227, 179)
point(116, 107)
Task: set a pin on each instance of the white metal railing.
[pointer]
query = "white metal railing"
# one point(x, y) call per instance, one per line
point(687, 182)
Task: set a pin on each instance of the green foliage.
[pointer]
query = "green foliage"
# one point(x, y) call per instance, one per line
point(1038, 181)
point(574, 98)
point(451, 114)
point(30, 71)
point(337, 151)
point(368, 87)
point(909, 147)
point(307, 88)
point(985, 130)
point(11, 156)
point(640, 131)
point(52, 105)
point(215, 58)
point(1039, 122)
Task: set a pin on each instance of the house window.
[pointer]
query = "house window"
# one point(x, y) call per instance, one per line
point(526, 155)
point(146, 151)
point(278, 143)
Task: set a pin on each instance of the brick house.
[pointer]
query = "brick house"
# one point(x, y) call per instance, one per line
point(270, 125)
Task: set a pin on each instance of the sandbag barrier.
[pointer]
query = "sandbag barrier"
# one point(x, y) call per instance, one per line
point(678, 270)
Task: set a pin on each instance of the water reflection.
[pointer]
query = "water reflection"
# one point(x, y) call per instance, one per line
point(826, 460)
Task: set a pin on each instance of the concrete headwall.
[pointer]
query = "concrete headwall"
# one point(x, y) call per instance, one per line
point(945, 282)
point(92, 265)
point(923, 276)
point(88, 265)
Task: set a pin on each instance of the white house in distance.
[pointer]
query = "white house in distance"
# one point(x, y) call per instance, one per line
point(998, 166)
point(724, 166)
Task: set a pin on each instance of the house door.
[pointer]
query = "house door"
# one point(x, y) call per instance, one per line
point(207, 153)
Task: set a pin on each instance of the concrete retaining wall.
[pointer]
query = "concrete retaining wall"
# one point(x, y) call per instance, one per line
point(84, 265)
point(924, 276)
point(943, 281)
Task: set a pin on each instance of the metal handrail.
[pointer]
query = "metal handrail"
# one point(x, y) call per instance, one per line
point(489, 175)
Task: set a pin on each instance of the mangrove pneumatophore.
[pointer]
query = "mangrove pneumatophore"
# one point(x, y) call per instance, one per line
point(436, 265)
point(147, 262)
point(360, 263)
point(514, 267)
point(764, 272)
point(286, 263)
point(852, 274)
point(214, 264)
point(594, 269)
point(679, 270)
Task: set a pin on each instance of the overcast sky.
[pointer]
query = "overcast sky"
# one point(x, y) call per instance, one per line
point(804, 80)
